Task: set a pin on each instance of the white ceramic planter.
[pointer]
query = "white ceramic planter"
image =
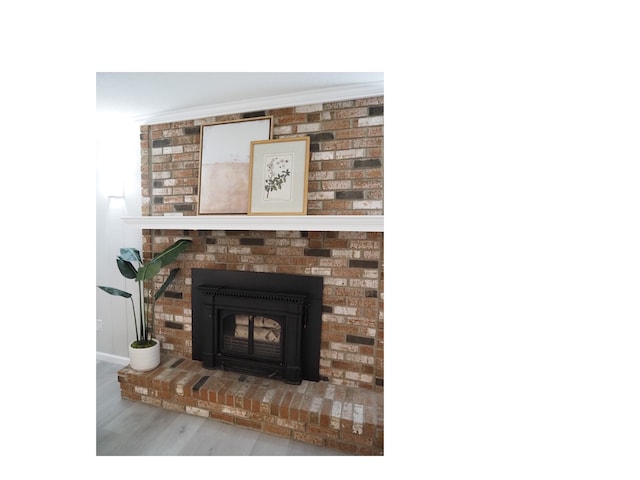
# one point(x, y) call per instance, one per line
point(144, 359)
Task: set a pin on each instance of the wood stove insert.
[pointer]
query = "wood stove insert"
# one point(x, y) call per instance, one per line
point(257, 323)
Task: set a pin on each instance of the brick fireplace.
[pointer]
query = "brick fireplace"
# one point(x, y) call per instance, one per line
point(344, 409)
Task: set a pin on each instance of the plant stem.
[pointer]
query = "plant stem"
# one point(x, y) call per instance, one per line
point(152, 297)
point(142, 312)
point(135, 322)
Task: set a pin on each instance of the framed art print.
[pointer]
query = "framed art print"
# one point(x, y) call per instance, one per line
point(278, 176)
point(224, 164)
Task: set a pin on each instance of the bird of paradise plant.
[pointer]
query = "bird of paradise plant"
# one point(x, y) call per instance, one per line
point(143, 272)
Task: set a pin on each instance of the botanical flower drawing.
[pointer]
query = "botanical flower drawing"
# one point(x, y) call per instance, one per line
point(276, 173)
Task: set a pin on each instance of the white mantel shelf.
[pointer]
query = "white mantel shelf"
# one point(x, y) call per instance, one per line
point(323, 223)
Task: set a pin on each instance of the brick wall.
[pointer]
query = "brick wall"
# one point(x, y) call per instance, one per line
point(345, 178)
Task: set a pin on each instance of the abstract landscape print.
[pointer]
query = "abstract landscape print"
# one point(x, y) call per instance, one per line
point(224, 166)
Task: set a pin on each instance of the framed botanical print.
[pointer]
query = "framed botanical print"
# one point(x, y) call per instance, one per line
point(278, 176)
point(225, 150)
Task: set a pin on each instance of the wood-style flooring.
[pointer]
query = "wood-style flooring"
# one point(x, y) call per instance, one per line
point(131, 428)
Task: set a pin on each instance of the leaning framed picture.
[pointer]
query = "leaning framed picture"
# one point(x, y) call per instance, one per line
point(225, 150)
point(278, 176)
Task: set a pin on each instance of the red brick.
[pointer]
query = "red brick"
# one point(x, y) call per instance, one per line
point(338, 445)
point(356, 439)
point(224, 417)
point(277, 430)
point(275, 403)
point(252, 424)
point(325, 414)
point(283, 410)
point(295, 405)
point(324, 432)
point(308, 438)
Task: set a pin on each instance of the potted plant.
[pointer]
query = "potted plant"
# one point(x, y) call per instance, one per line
point(144, 352)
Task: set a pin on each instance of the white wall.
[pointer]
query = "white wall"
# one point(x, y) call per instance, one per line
point(117, 174)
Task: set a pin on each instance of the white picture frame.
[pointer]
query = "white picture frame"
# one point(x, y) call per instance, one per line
point(224, 164)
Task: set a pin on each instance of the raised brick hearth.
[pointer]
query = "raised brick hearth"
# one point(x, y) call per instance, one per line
point(320, 413)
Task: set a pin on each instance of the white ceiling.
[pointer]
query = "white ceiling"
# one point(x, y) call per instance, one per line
point(148, 94)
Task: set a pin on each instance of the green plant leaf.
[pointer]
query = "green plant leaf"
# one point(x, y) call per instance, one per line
point(115, 291)
point(130, 254)
point(126, 268)
point(162, 259)
point(166, 283)
point(148, 271)
point(171, 253)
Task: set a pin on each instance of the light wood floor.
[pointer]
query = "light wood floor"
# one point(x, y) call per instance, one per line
point(131, 428)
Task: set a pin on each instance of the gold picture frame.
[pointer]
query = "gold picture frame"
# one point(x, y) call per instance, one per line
point(278, 177)
point(225, 153)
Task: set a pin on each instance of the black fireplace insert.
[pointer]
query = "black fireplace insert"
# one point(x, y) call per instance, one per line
point(263, 324)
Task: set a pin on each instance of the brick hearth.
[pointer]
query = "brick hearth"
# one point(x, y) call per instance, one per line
point(345, 418)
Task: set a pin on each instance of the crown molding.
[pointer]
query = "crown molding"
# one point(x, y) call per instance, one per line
point(334, 94)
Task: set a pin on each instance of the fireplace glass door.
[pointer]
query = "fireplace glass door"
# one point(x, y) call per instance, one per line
point(254, 337)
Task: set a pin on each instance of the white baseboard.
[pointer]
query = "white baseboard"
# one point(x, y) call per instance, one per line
point(107, 357)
